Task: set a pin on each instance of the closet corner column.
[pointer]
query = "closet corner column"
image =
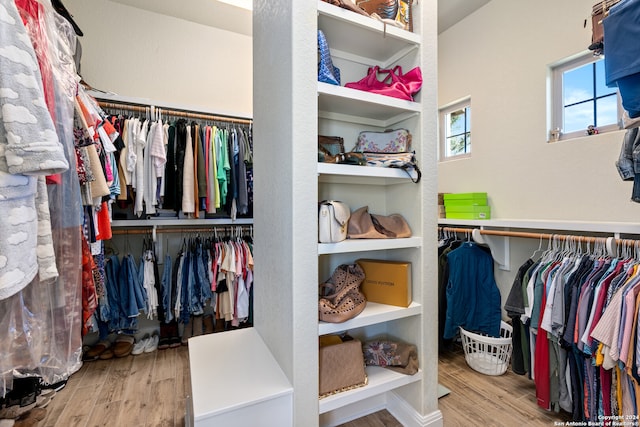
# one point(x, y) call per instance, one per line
point(285, 129)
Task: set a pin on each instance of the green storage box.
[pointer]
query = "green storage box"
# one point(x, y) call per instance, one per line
point(468, 212)
point(465, 199)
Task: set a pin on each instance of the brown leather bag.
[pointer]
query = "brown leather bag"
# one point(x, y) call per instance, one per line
point(340, 298)
point(341, 365)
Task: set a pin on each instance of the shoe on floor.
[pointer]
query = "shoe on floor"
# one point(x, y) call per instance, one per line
point(107, 354)
point(138, 348)
point(15, 411)
point(123, 345)
point(152, 344)
point(207, 321)
point(198, 328)
point(56, 387)
point(31, 418)
point(42, 401)
point(187, 332)
point(94, 352)
point(48, 392)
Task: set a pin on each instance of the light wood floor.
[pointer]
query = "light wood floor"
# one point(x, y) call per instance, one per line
point(479, 400)
point(150, 390)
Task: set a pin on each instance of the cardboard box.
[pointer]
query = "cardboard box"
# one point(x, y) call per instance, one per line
point(386, 282)
point(465, 199)
point(468, 212)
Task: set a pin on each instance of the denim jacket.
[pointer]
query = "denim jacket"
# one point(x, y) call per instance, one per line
point(629, 162)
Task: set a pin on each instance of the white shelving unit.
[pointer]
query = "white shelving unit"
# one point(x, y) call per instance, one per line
point(357, 41)
point(380, 380)
point(374, 313)
point(290, 109)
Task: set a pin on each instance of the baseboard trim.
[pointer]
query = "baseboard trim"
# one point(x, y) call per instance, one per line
point(408, 416)
point(353, 411)
point(398, 407)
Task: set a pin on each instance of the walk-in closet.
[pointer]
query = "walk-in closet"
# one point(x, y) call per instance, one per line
point(319, 213)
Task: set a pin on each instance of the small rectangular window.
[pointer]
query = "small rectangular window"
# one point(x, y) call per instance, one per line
point(455, 130)
point(582, 104)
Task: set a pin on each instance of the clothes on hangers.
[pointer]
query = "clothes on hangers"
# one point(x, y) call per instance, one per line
point(473, 298)
point(580, 312)
point(622, 59)
point(199, 170)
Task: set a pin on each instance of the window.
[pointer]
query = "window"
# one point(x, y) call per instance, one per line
point(455, 130)
point(581, 101)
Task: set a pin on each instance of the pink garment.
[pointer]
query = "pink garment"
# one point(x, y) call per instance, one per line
point(630, 305)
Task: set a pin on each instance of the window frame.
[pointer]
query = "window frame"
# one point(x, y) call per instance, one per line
point(443, 112)
point(557, 98)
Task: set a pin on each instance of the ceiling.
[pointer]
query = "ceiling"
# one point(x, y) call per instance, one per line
point(206, 12)
point(450, 12)
point(226, 17)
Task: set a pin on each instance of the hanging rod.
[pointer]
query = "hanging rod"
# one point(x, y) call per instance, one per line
point(530, 235)
point(172, 112)
point(180, 230)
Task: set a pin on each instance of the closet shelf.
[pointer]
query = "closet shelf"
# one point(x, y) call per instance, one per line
point(380, 380)
point(361, 245)
point(560, 225)
point(353, 35)
point(351, 174)
point(362, 107)
point(180, 222)
point(373, 313)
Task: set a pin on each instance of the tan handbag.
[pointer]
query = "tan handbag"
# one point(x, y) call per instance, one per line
point(363, 225)
point(340, 298)
point(341, 365)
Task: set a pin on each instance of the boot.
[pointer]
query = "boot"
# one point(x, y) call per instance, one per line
point(197, 325)
point(208, 323)
point(187, 332)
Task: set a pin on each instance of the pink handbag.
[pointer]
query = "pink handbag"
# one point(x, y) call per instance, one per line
point(395, 84)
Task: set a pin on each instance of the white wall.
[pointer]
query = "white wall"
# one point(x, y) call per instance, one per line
point(142, 54)
point(499, 56)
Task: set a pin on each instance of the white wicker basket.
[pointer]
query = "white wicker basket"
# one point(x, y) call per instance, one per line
point(488, 355)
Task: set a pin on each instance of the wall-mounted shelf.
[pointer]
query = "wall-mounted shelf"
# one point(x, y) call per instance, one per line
point(362, 245)
point(356, 36)
point(560, 225)
point(379, 381)
point(372, 314)
point(362, 107)
point(177, 222)
point(368, 175)
point(496, 233)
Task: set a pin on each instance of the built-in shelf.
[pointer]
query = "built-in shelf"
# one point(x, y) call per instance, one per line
point(352, 174)
point(362, 245)
point(373, 313)
point(380, 380)
point(559, 225)
point(362, 107)
point(500, 245)
point(360, 38)
point(177, 222)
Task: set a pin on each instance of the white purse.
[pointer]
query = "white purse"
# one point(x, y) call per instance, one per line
point(333, 219)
